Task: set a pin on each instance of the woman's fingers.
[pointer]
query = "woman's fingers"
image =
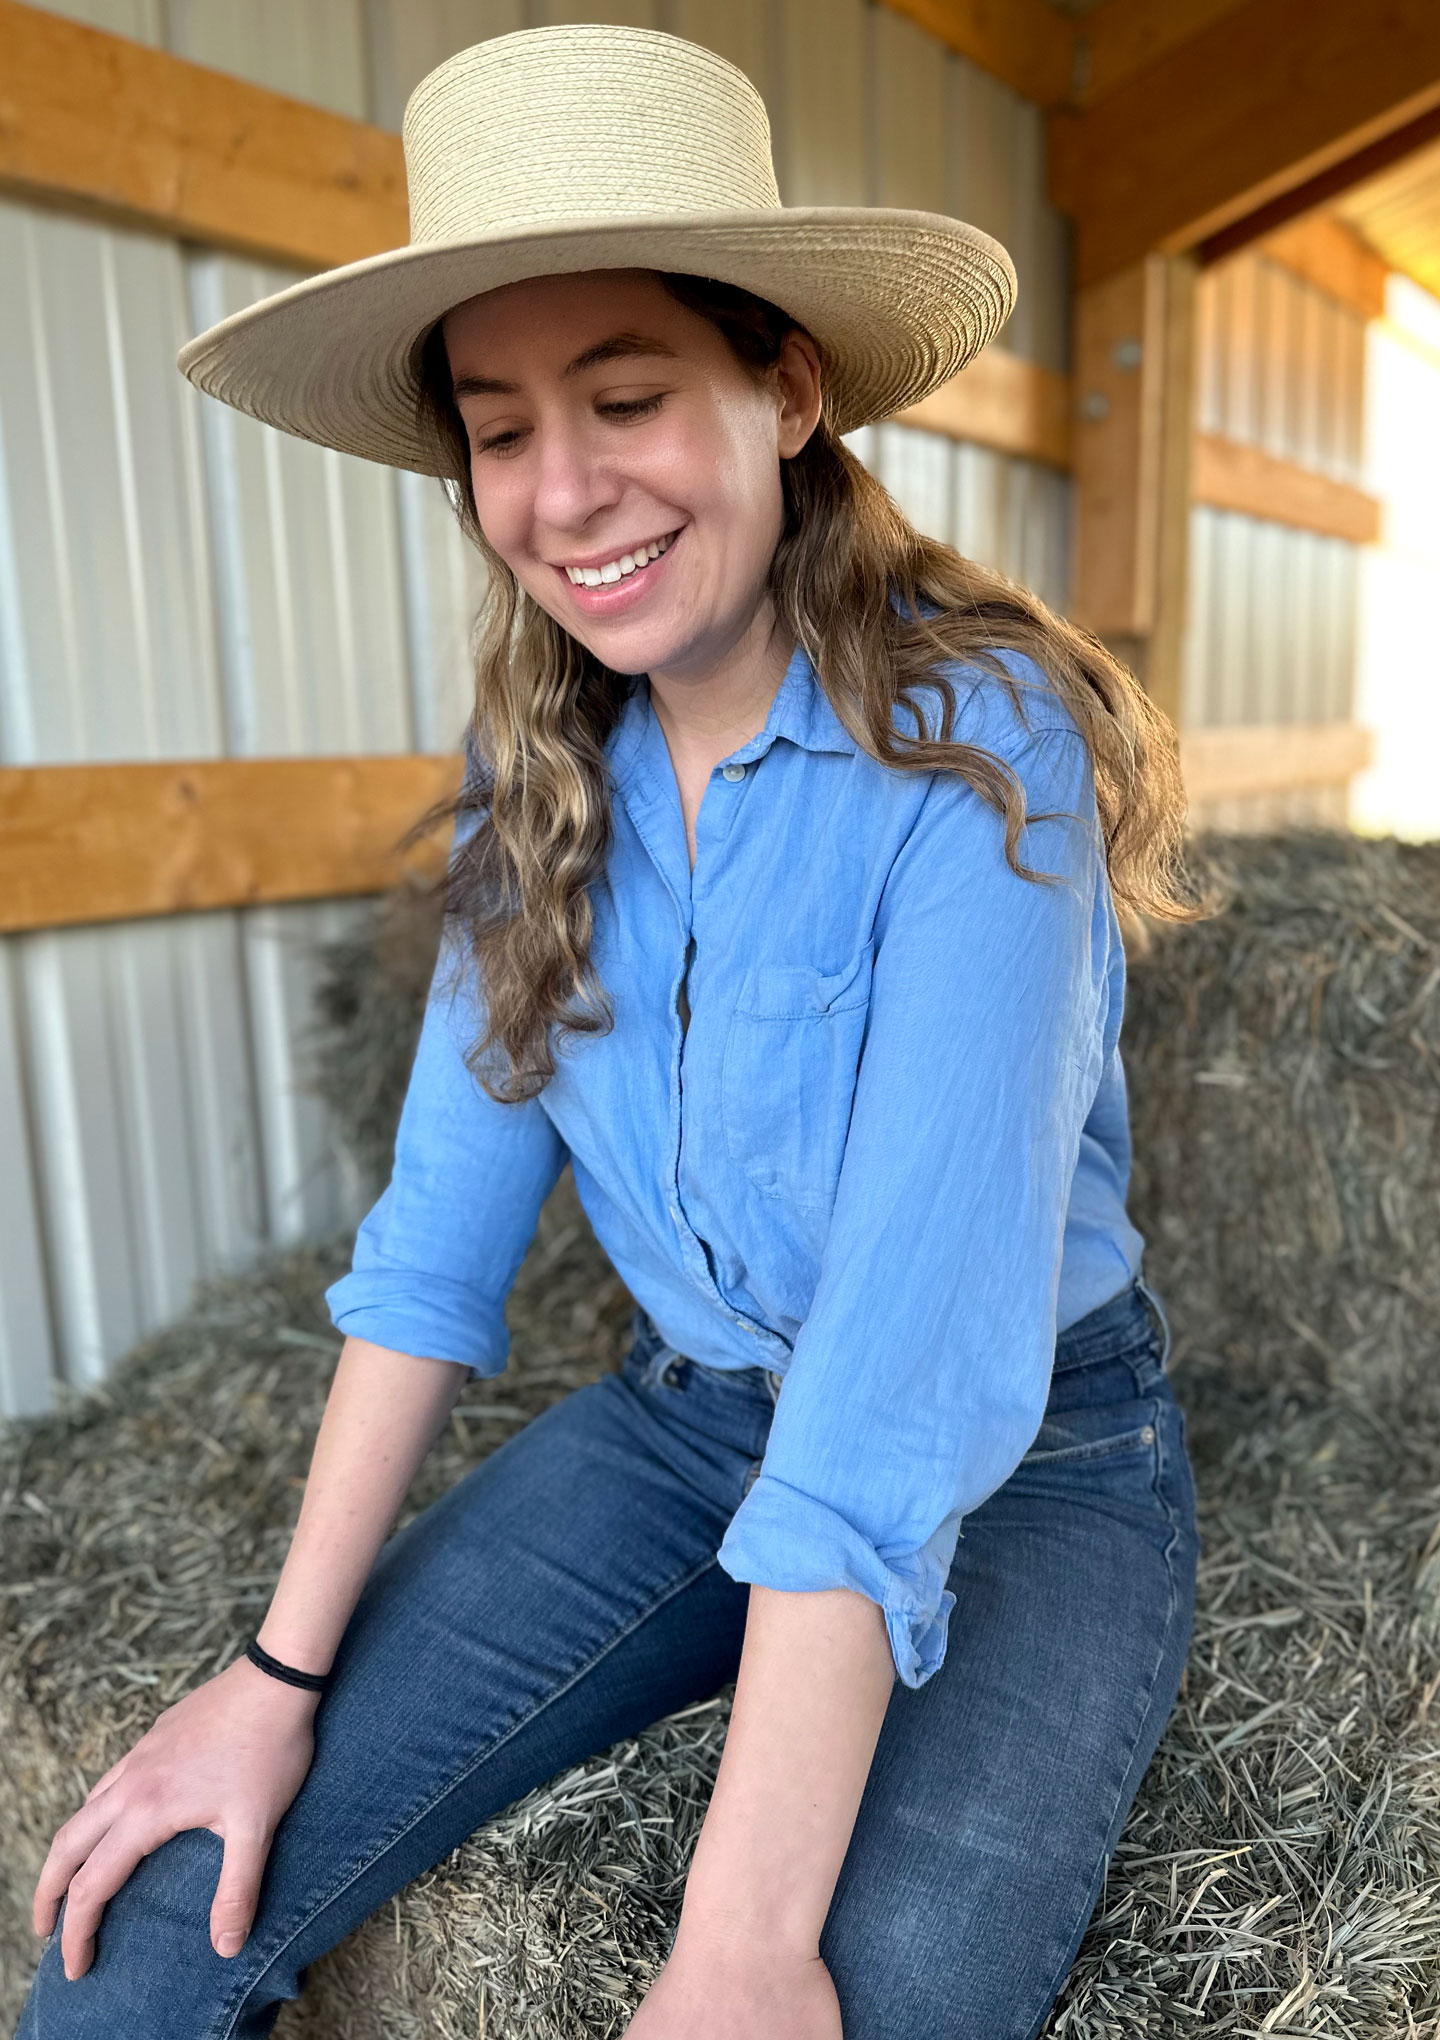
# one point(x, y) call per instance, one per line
point(73, 1842)
point(238, 1888)
point(97, 1880)
point(96, 1850)
point(107, 1777)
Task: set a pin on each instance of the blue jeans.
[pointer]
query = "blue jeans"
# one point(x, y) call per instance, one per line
point(565, 1594)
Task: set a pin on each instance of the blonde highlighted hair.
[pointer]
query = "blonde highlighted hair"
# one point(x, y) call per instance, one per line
point(878, 608)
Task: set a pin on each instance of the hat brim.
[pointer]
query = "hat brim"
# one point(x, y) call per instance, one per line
point(897, 301)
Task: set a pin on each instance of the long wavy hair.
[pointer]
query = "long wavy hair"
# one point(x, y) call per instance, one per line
point(878, 608)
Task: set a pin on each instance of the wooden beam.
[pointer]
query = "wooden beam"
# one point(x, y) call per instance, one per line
point(1397, 213)
point(1333, 257)
point(1133, 411)
point(1257, 103)
point(1239, 760)
point(93, 120)
point(1027, 43)
point(1005, 402)
point(1229, 475)
point(1126, 36)
point(112, 842)
point(1350, 174)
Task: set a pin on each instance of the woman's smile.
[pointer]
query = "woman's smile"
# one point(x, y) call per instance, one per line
point(602, 586)
point(608, 425)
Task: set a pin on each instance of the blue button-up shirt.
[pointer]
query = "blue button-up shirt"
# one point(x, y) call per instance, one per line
point(887, 1158)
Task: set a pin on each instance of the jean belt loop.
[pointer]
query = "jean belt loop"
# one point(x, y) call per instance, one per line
point(1158, 1308)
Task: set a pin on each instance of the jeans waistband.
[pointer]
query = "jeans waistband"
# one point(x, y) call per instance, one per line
point(1127, 1320)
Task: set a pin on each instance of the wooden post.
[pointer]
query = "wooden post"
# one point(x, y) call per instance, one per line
point(1133, 424)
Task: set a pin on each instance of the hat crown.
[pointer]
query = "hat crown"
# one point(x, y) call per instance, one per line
point(587, 122)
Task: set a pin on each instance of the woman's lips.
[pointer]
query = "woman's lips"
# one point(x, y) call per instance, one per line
point(613, 597)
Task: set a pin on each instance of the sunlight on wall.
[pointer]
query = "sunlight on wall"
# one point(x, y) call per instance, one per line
point(1398, 687)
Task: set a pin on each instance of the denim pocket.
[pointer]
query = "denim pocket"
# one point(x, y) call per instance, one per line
point(788, 1077)
point(1082, 1435)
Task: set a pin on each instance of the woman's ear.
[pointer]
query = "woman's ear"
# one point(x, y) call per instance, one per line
point(798, 382)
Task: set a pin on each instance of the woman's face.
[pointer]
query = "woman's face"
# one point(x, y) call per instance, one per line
point(626, 466)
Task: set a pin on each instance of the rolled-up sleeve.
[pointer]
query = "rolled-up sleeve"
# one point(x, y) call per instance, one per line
point(919, 1377)
point(437, 1255)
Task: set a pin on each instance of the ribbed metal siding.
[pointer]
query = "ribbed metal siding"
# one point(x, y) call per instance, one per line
point(1272, 618)
point(1281, 365)
point(1010, 514)
point(176, 581)
point(945, 137)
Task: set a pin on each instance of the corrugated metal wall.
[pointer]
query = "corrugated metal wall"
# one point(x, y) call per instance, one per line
point(177, 581)
point(1272, 622)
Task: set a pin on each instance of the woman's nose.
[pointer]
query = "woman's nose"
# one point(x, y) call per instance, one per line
point(571, 482)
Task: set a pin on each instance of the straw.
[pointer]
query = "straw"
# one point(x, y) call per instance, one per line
point(1280, 1874)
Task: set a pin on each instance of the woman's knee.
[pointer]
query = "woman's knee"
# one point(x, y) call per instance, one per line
point(155, 1974)
point(916, 1958)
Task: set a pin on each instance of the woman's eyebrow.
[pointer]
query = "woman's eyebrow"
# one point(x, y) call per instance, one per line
point(614, 349)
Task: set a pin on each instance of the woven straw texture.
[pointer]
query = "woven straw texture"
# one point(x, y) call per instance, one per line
point(565, 149)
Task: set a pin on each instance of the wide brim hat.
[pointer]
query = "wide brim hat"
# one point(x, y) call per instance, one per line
point(555, 150)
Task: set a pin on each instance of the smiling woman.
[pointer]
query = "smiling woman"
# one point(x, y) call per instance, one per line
point(782, 909)
point(582, 418)
point(633, 425)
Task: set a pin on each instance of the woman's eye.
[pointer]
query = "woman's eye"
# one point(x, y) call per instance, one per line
point(499, 442)
point(632, 407)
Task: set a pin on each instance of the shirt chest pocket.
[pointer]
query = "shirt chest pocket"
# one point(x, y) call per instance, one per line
point(788, 1079)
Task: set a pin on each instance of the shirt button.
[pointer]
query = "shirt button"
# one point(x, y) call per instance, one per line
point(733, 771)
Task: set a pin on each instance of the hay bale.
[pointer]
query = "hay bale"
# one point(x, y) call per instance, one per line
point(368, 1005)
point(1281, 1870)
point(143, 1526)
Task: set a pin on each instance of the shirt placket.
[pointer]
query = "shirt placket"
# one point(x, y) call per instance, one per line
point(652, 799)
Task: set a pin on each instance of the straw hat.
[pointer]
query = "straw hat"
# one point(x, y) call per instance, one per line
point(562, 149)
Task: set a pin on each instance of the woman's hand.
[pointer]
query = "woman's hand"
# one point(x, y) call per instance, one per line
point(737, 1993)
point(230, 1756)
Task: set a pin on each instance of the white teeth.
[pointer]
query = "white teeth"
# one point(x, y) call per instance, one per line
point(617, 570)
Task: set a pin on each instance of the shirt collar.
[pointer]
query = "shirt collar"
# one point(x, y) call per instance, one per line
point(800, 712)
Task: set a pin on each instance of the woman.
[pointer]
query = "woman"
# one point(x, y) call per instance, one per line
point(787, 861)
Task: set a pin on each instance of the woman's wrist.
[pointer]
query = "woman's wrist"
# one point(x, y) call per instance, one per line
point(294, 1651)
point(298, 1702)
point(720, 1923)
point(815, 1679)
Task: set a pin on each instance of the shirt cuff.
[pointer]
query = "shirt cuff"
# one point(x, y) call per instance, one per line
point(409, 1311)
point(780, 1537)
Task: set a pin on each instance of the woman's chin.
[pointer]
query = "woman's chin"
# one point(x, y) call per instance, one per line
point(640, 644)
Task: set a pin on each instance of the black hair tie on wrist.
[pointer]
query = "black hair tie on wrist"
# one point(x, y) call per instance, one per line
point(313, 1682)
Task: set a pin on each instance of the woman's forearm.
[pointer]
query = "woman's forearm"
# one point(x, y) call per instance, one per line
point(815, 1678)
point(383, 1413)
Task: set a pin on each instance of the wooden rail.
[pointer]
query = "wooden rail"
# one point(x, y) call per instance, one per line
point(1001, 401)
point(1220, 764)
point(110, 125)
point(92, 843)
point(115, 842)
point(1230, 476)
